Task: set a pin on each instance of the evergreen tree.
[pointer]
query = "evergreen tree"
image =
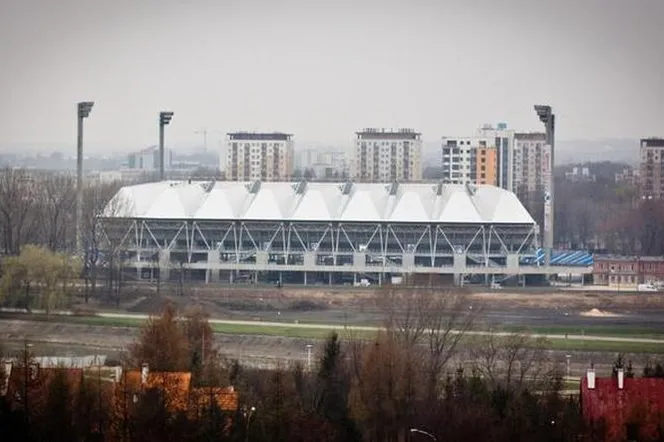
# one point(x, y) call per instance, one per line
point(333, 386)
point(653, 370)
point(625, 365)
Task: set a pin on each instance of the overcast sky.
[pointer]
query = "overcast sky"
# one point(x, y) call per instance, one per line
point(324, 69)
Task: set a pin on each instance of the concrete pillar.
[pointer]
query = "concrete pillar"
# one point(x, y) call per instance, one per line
point(305, 278)
point(213, 273)
point(408, 262)
point(309, 260)
point(459, 267)
point(164, 265)
point(359, 260)
point(512, 262)
point(262, 259)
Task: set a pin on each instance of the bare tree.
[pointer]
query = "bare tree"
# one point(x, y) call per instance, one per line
point(58, 204)
point(97, 201)
point(516, 360)
point(18, 220)
point(432, 320)
point(406, 314)
point(450, 316)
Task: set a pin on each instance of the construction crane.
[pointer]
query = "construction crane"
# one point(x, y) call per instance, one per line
point(205, 132)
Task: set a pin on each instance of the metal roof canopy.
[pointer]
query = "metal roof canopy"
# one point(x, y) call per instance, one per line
point(418, 203)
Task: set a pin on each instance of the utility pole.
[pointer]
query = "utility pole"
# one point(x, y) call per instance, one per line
point(164, 120)
point(83, 111)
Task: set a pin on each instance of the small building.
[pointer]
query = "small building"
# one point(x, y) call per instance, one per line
point(651, 269)
point(616, 271)
point(623, 409)
point(627, 271)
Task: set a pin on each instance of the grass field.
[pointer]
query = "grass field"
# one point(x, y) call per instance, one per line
point(598, 330)
point(304, 332)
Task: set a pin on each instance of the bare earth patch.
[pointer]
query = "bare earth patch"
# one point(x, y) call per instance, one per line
point(595, 313)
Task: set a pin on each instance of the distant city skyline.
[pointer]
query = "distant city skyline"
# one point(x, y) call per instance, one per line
point(324, 70)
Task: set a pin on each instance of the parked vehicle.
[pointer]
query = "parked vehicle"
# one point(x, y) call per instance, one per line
point(646, 288)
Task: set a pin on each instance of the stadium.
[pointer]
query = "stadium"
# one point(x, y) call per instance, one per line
point(321, 233)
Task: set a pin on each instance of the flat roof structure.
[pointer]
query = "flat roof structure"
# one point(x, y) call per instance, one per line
point(259, 136)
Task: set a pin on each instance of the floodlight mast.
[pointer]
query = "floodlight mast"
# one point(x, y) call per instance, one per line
point(83, 111)
point(546, 116)
point(164, 120)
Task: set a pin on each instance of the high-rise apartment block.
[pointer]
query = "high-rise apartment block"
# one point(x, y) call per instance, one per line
point(651, 169)
point(485, 158)
point(259, 156)
point(532, 164)
point(503, 141)
point(387, 155)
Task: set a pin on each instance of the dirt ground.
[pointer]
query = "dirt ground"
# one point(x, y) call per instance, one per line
point(247, 301)
point(258, 351)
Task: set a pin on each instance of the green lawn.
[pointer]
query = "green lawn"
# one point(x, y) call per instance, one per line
point(317, 333)
point(598, 330)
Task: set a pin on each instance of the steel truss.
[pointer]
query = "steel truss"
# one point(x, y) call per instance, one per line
point(320, 246)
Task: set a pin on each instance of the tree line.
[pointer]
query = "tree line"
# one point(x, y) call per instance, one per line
point(601, 215)
point(398, 385)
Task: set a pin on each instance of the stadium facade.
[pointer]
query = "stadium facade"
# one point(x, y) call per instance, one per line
point(310, 233)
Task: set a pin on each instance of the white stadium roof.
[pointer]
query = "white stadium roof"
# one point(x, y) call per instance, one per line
point(303, 201)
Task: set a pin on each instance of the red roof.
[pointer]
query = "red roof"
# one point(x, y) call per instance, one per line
point(38, 382)
point(639, 402)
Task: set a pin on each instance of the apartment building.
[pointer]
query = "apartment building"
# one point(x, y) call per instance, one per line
point(325, 163)
point(148, 159)
point(461, 164)
point(383, 155)
point(259, 156)
point(628, 176)
point(532, 164)
point(502, 140)
point(651, 168)
point(485, 158)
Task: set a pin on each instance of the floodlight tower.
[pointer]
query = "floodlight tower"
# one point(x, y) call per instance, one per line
point(83, 109)
point(164, 119)
point(547, 117)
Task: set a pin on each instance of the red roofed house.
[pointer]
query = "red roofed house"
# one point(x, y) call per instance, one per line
point(626, 408)
point(35, 383)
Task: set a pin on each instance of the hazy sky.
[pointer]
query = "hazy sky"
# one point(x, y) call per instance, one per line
point(324, 69)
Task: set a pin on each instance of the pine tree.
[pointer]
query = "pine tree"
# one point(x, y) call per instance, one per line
point(333, 386)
